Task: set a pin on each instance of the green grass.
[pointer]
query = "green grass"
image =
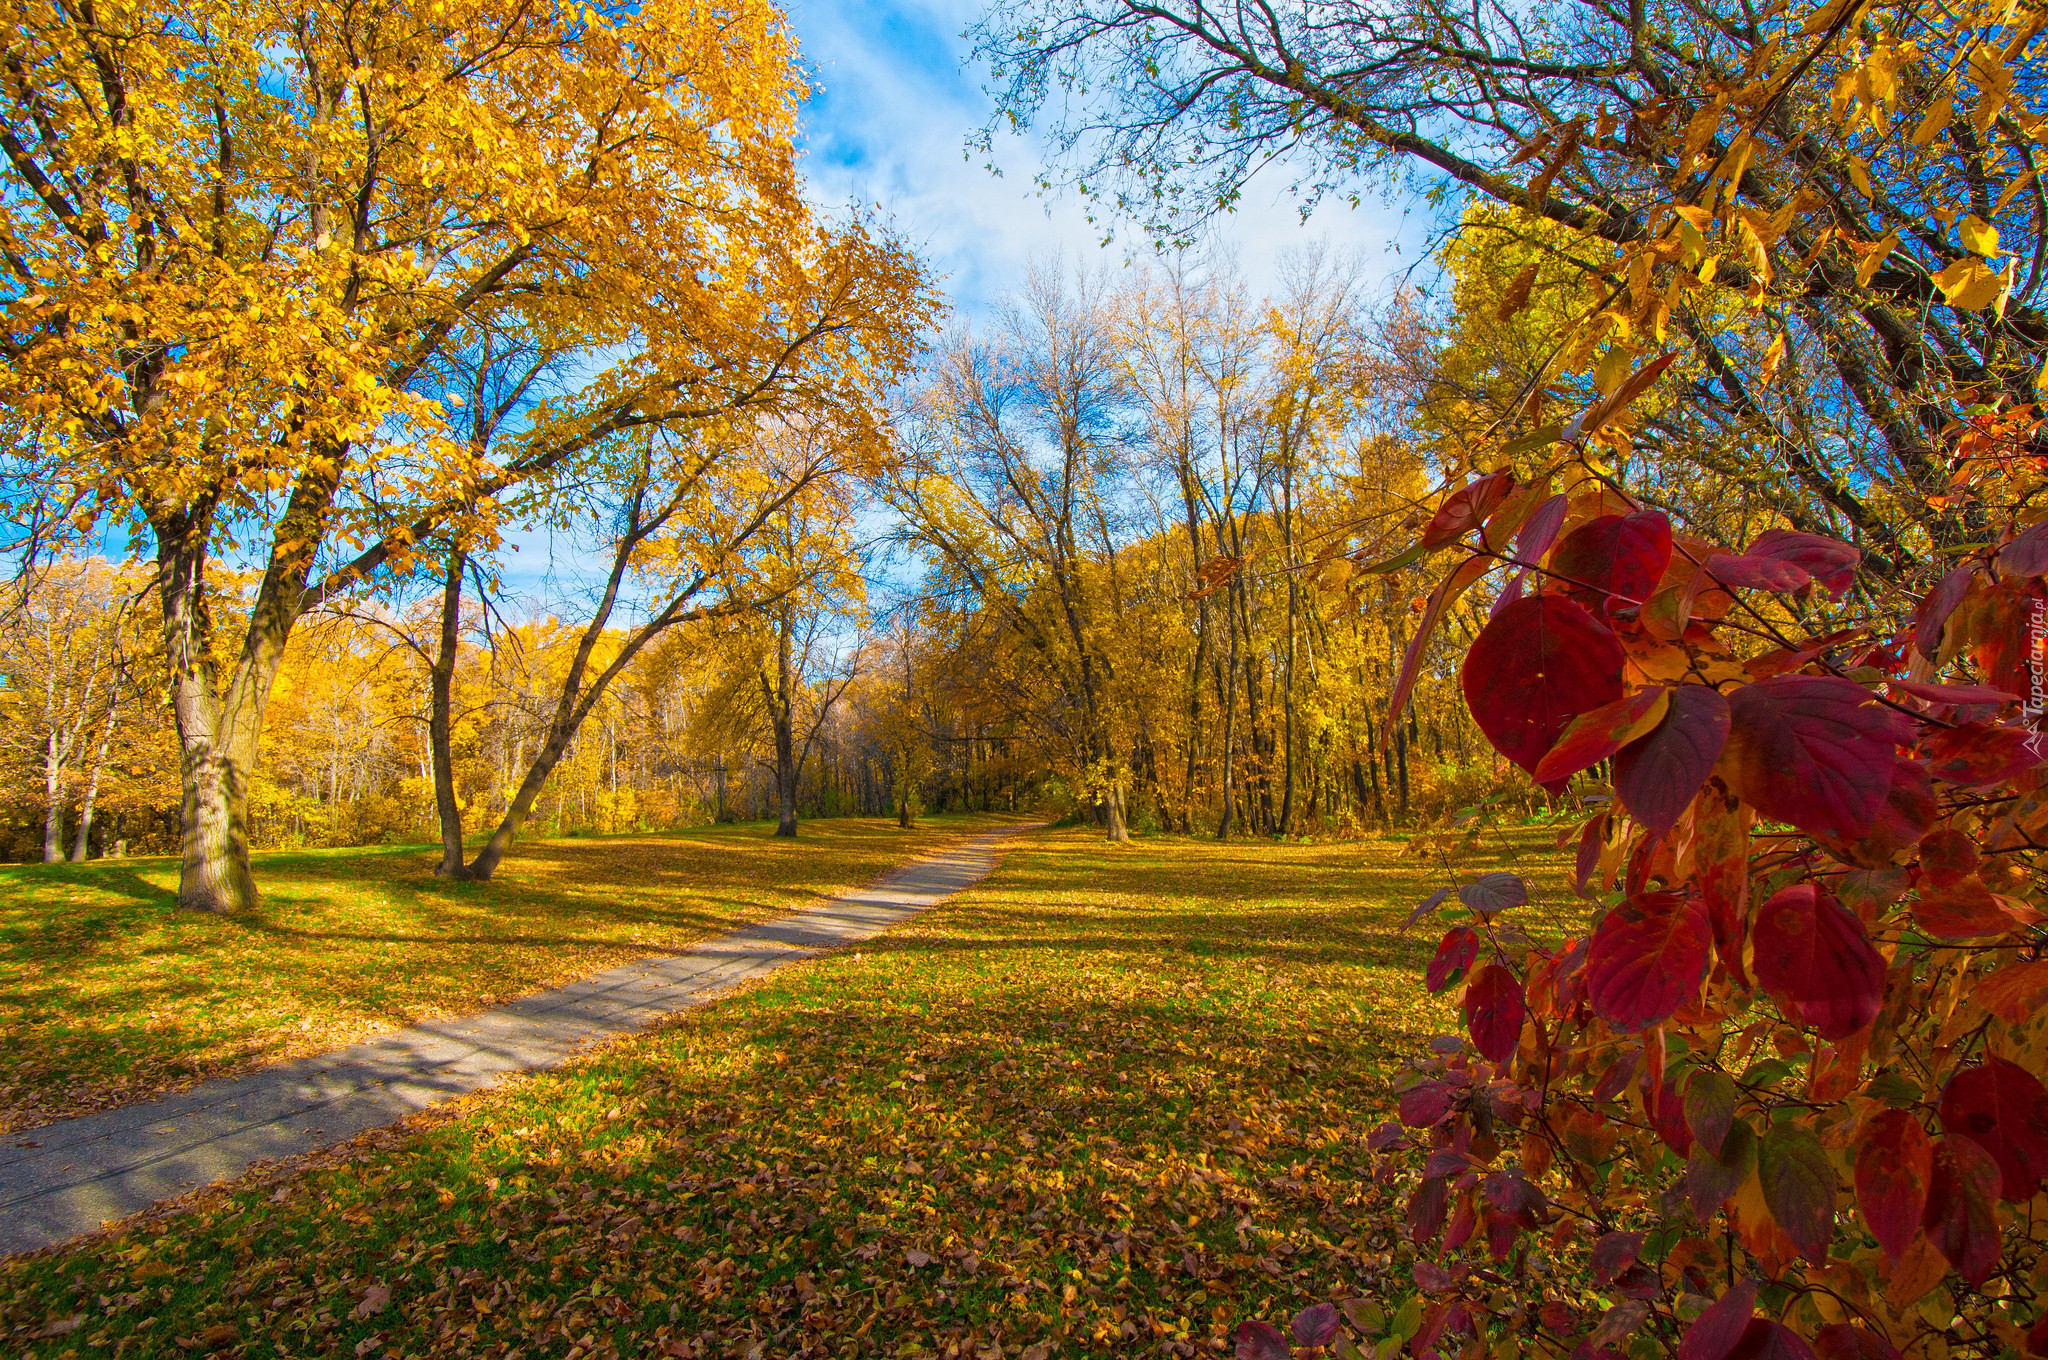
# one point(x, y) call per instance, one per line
point(1110, 1102)
point(109, 993)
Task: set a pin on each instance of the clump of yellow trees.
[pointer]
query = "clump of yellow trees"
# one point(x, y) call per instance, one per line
point(246, 246)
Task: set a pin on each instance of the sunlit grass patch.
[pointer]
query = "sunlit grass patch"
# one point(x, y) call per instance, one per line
point(1111, 1102)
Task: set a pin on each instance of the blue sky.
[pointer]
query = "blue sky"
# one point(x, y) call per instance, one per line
point(889, 126)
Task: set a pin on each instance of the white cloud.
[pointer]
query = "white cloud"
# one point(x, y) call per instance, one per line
point(890, 126)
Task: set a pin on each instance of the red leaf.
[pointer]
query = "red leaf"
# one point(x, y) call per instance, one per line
point(1616, 559)
point(1667, 1112)
point(1758, 573)
point(1656, 776)
point(1448, 1161)
point(1538, 664)
point(1647, 959)
point(1814, 751)
point(1894, 1159)
point(1540, 531)
point(1709, 1107)
point(1432, 1278)
point(1515, 1195)
point(1909, 809)
point(1437, 1319)
point(1494, 1011)
point(1717, 1330)
point(1592, 737)
point(1454, 954)
point(1961, 1220)
point(1961, 911)
point(1491, 894)
point(1591, 841)
point(2002, 1108)
point(1828, 560)
point(1446, 594)
point(1619, 1075)
point(2026, 555)
point(1315, 1325)
point(1842, 1341)
point(1467, 508)
point(1501, 1233)
point(1948, 856)
point(1424, 1105)
point(1813, 957)
point(1614, 1253)
point(1976, 754)
point(1766, 1340)
point(1799, 1188)
point(1952, 694)
point(1260, 1341)
point(1427, 905)
point(1936, 606)
point(1428, 1206)
point(1511, 592)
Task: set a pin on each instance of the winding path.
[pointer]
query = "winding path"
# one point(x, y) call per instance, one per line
point(68, 1178)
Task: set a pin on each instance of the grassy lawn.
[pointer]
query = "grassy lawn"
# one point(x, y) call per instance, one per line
point(1111, 1102)
point(109, 993)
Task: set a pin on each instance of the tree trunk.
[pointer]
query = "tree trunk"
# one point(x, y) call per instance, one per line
point(785, 781)
point(1113, 804)
point(216, 734)
point(1229, 725)
point(441, 721)
point(53, 805)
point(1286, 827)
point(1401, 756)
point(81, 846)
point(544, 761)
point(781, 700)
point(213, 826)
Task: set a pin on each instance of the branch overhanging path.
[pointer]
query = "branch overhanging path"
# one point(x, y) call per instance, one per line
point(68, 1178)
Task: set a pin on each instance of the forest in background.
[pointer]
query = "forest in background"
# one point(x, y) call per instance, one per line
point(1123, 572)
point(1035, 653)
point(1141, 530)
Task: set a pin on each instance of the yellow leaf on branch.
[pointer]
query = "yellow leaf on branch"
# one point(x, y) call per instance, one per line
point(1978, 235)
point(1968, 285)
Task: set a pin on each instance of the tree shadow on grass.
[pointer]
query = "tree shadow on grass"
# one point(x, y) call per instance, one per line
point(1035, 1160)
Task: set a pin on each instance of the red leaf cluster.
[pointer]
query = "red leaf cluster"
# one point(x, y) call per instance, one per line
point(1797, 1041)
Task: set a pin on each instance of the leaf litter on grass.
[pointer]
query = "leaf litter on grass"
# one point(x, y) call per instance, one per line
point(1110, 1102)
point(112, 995)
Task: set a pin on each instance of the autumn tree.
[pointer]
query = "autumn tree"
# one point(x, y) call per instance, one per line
point(803, 667)
point(1012, 485)
point(1870, 248)
point(68, 656)
point(236, 246)
point(689, 528)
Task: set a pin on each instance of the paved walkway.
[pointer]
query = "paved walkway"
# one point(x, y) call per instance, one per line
point(107, 1166)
